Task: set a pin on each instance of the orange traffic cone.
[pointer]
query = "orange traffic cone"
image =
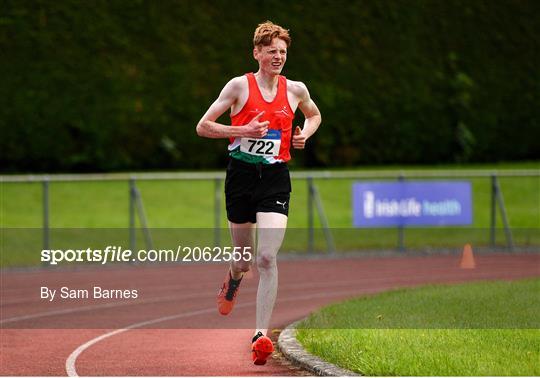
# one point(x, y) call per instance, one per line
point(467, 258)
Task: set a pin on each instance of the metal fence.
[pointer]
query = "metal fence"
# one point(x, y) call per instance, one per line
point(314, 201)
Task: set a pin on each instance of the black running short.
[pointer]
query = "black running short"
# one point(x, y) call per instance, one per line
point(253, 188)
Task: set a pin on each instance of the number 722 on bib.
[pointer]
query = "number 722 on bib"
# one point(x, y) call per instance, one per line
point(267, 146)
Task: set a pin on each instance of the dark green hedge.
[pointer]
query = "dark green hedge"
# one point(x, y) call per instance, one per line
point(118, 85)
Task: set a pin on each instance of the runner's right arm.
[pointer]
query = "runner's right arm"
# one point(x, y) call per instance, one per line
point(209, 128)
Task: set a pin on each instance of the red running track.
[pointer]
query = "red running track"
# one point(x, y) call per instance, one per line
point(173, 328)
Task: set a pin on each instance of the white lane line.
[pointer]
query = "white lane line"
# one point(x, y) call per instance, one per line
point(72, 359)
point(362, 280)
point(30, 298)
point(72, 310)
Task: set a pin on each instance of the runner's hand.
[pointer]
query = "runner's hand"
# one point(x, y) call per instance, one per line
point(298, 139)
point(256, 129)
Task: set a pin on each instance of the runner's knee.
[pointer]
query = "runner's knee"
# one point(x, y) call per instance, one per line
point(266, 261)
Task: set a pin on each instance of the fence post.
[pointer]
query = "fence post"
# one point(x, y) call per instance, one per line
point(401, 228)
point(311, 236)
point(331, 246)
point(46, 231)
point(132, 195)
point(504, 216)
point(217, 212)
point(142, 217)
point(493, 209)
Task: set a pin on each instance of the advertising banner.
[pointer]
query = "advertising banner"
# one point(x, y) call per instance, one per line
point(419, 203)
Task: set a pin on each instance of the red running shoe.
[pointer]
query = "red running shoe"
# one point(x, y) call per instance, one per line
point(227, 295)
point(261, 348)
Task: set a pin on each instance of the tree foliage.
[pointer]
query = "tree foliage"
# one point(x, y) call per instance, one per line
point(120, 85)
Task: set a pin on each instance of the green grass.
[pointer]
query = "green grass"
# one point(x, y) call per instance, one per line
point(106, 204)
point(479, 329)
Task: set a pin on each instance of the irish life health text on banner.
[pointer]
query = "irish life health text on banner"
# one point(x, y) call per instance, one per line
point(419, 203)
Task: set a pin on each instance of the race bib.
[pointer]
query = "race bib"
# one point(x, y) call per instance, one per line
point(267, 146)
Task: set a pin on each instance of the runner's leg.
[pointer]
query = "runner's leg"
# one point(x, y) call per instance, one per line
point(271, 231)
point(242, 235)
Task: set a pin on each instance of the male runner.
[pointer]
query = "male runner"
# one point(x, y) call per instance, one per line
point(257, 185)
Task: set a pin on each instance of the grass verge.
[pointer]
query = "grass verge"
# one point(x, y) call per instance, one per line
point(480, 329)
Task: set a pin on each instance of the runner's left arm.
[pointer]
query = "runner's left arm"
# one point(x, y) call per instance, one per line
point(312, 115)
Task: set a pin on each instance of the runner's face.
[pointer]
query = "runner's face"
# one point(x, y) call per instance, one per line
point(272, 58)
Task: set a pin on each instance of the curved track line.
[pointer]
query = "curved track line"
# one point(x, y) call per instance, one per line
point(72, 359)
point(72, 310)
point(39, 300)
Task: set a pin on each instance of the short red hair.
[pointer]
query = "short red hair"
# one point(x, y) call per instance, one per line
point(267, 31)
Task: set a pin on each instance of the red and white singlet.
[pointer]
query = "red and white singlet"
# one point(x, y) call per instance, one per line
point(275, 146)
